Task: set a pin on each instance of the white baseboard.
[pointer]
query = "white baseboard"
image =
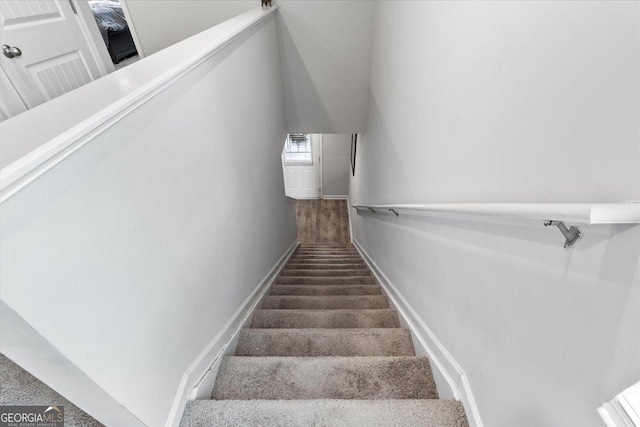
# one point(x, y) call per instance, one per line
point(438, 355)
point(197, 381)
point(624, 409)
point(334, 197)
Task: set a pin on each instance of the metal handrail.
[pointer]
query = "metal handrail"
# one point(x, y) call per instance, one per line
point(552, 214)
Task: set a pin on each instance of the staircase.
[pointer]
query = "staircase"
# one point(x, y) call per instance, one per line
point(325, 349)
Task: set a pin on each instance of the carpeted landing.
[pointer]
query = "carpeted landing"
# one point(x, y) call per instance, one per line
point(325, 348)
point(19, 388)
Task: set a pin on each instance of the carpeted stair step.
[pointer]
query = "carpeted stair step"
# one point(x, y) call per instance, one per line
point(302, 280)
point(337, 253)
point(325, 266)
point(352, 252)
point(325, 261)
point(397, 377)
point(326, 246)
point(325, 290)
point(327, 250)
point(325, 319)
point(332, 254)
point(325, 254)
point(335, 413)
point(325, 273)
point(325, 302)
point(346, 260)
point(325, 342)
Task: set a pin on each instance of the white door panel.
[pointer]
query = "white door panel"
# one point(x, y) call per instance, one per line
point(56, 57)
point(307, 183)
point(25, 13)
point(59, 75)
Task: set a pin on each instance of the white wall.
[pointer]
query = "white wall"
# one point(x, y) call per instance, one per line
point(510, 102)
point(159, 24)
point(130, 255)
point(326, 58)
point(336, 149)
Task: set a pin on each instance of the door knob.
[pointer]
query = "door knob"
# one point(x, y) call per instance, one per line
point(11, 52)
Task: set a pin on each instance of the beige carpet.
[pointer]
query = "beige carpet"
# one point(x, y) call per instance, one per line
point(19, 388)
point(325, 348)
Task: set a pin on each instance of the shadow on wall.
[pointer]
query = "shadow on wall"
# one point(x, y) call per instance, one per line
point(334, 41)
point(618, 265)
point(373, 175)
point(295, 71)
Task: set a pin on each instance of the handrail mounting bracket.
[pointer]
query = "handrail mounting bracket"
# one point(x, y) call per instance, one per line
point(572, 234)
point(395, 211)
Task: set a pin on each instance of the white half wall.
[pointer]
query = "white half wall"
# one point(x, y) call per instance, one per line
point(159, 24)
point(130, 255)
point(336, 149)
point(326, 59)
point(510, 102)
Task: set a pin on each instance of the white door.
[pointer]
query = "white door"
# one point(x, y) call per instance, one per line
point(51, 55)
point(302, 177)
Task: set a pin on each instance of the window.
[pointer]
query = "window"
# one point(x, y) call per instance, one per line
point(298, 149)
